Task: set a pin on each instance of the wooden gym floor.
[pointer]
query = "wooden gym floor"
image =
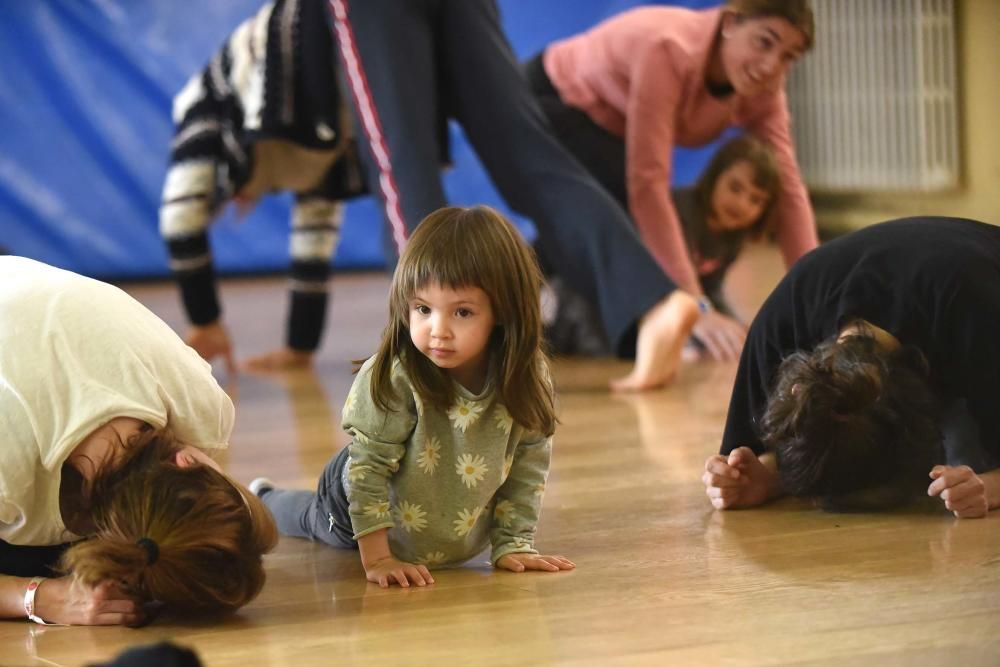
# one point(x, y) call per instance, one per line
point(661, 578)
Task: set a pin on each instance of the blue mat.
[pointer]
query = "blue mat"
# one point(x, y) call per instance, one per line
point(85, 109)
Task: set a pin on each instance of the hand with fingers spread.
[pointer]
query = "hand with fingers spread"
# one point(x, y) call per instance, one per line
point(69, 602)
point(961, 489)
point(741, 479)
point(389, 570)
point(521, 562)
point(721, 335)
point(211, 341)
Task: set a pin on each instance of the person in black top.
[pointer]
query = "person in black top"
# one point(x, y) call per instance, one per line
point(873, 364)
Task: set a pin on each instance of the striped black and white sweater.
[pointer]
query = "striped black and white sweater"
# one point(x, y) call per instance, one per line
point(265, 114)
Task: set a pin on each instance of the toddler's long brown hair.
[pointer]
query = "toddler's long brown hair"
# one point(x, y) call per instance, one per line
point(472, 247)
point(209, 532)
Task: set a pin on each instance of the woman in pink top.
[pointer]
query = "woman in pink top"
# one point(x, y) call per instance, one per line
point(621, 96)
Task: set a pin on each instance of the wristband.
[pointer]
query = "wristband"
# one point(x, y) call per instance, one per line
point(29, 600)
point(704, 304)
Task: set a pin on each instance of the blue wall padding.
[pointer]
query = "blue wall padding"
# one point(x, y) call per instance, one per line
point(85, 128)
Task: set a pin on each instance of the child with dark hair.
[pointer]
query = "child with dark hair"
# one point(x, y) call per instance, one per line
point(872, 366)
point(451, 421)
point(729, 204)
point(106, 417)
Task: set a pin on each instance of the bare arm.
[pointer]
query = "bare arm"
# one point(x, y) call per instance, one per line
point(374, 547)
point(793, 215)
point(65, 601)
point(12, 596)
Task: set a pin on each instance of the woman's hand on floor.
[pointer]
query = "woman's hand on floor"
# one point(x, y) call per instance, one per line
point(961, 489)
point(721, 335)
point(740, 479)
point(68, 602)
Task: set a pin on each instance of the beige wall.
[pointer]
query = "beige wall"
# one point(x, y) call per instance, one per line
point(979, 109)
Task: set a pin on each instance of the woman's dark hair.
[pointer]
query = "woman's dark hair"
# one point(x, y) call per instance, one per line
point(796, 12)
point(853, 423)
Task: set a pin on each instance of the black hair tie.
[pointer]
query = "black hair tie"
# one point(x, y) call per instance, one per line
point(152, 550)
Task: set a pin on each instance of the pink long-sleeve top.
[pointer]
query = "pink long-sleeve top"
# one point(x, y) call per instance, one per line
point(641, 75)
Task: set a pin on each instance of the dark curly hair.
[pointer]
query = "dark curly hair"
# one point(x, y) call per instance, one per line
point(853, 424)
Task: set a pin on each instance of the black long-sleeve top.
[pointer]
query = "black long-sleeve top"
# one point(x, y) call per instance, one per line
point(931, 282)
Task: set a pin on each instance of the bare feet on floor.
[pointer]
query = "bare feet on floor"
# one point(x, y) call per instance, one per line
point(285, 359)
point(663, 330)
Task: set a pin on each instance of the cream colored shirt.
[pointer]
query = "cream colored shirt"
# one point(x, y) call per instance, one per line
point(74, 354)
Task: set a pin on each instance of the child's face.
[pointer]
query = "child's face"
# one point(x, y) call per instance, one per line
point(757, 52)
point(736, 202)
point(452, 328)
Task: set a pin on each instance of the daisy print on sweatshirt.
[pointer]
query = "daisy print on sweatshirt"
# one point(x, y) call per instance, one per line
point(504, 513)
point(464, 413)
point(432, 558)
point(378, 510)
point(410, 517)
point(466, 521)
point(471, 468)
point(357, 472)
point(503, 419)
point(429, 455)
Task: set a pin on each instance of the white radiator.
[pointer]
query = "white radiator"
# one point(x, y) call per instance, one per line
point(874, 104)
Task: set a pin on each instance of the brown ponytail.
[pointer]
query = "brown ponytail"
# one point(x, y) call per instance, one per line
point(207, 532)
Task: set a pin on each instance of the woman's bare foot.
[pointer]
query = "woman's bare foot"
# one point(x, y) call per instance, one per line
point(285, 359)
point(663, 330)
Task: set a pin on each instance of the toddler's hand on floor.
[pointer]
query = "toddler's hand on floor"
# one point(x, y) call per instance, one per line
point(389, 570)
point(521, 562)
point(961, 489)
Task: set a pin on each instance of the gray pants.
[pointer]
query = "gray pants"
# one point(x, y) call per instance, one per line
point(321, 516)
